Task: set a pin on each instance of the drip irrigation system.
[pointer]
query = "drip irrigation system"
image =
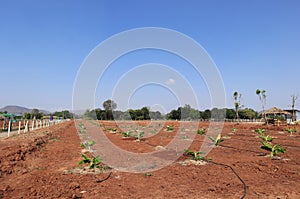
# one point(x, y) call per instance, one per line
point(235, 173)
point(102, 180)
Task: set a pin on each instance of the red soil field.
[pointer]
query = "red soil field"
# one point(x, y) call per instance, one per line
point(34, 165)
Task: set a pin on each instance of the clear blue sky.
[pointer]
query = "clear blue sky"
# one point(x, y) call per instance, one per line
point(255, 44)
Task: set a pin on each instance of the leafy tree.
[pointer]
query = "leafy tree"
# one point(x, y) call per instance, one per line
point(194, 114)
point(248, 113)
point(218, 114)
point(145, 113)
point(65, 114)
point(174, 115)
point(90, 114)
point(109, 106)
point(35, 113)
point(155, 115)
point(185, 112)
point(230, 114)
point(206, 114)
point(27, 116)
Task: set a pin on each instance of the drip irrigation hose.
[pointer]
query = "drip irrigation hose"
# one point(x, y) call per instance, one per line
point(235, 173)
point(98, 181)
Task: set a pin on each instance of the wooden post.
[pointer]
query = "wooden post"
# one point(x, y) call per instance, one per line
point(19, 127)
point(8, 131)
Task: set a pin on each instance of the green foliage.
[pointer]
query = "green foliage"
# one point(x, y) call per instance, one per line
point(109, 105)
point(142, 114)
point(139, 135)
point(82, 128)
point(291, 130)
point(233, 129)
point(230, 114)
point(217, 141)
point(274, 150)
point(111, 129)
point(194, 154)
point(93, 162)
point(266, 141)
point(247, 113)
point(266, 138)
point(87, 144)
point(201, 131)
point(63, 114)
point(126, 134)
point(260, 131)
point(170, 128)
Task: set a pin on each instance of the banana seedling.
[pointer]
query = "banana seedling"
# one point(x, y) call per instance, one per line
point(93, 162)
point(126, 134)
point(194, 154)
point(139, 135)
point(291, 131)
point(260, 131)
point(217, 141)
point(274, 150)
point(201, 131)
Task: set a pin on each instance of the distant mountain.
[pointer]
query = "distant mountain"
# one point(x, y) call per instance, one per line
point(19, 110)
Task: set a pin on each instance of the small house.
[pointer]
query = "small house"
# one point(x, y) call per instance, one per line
point(295, 115)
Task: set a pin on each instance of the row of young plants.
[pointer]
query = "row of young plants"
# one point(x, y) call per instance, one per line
point(266, 141)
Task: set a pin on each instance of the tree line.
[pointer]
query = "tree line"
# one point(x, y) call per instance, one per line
point(181, 113)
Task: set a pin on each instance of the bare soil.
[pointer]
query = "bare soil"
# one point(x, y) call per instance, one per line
point(36, 165)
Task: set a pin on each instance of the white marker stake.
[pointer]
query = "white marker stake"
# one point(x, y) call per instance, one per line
point(24, 127)
point(27, 126)
point(8, 131)
point(19, 127)
point(32, 125)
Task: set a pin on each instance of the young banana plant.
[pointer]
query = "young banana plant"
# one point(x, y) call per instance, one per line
point(194, 154)
point(217, 141)
point(93, 162)
point(274, 150)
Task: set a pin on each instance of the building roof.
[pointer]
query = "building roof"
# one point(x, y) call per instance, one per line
point(275, 111)
point(290, 110)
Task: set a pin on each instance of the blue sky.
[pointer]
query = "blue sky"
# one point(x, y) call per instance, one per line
point(255, 44)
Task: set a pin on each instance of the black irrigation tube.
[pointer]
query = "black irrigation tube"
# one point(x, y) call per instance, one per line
point(235, 173)
point(98, 181)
